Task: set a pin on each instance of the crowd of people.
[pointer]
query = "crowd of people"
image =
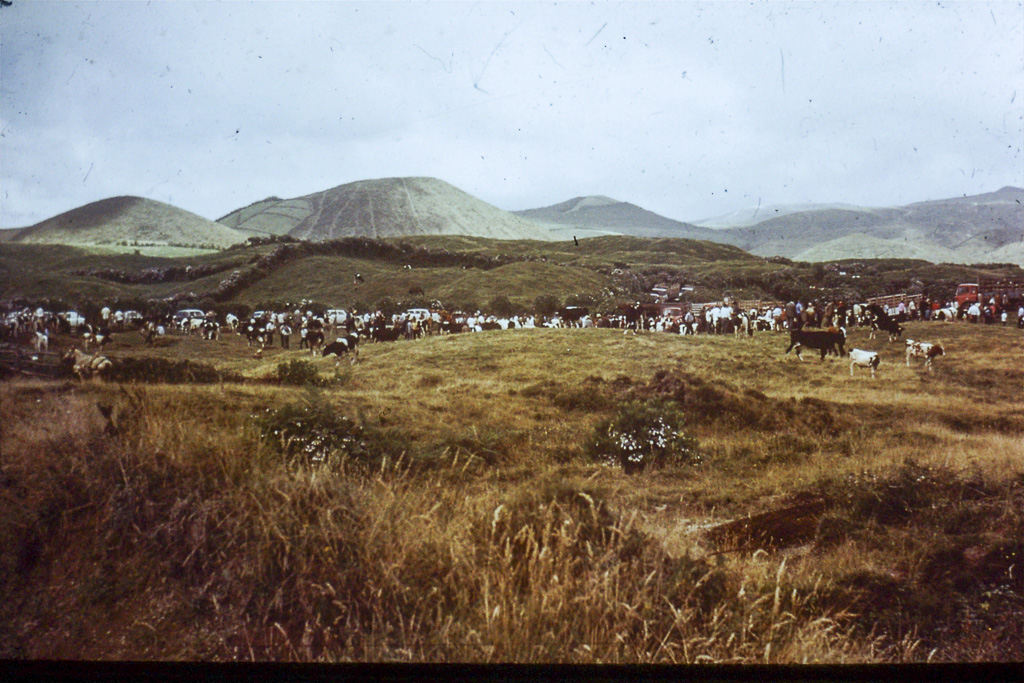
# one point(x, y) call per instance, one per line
point(267, 328)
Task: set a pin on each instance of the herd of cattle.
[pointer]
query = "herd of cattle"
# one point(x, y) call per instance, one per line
point(821, 328)
point(833, 340)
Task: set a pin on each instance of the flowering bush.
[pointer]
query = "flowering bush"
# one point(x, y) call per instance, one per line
point(644, 434)
point(313, 432)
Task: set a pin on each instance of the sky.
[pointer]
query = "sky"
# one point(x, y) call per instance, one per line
point(687, 109)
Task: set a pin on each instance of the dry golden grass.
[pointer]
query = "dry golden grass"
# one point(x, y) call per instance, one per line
point(483, 533)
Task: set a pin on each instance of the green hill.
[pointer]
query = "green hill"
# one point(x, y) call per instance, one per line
point(387, 207)
point(130, 222)
point(456, 271)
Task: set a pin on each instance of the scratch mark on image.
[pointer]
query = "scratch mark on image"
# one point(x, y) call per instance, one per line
point(596, 34)
point(782, 68)
point(479, 77)
point(552, 57)
point(87, 173)
point(447, 67)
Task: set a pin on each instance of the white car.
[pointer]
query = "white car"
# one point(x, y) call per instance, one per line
point(417, 313)
point(188, 314)
point(336, 315)
point(74, 319)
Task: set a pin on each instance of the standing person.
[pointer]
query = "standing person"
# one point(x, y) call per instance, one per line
point(688, 321)
point(725, 315)
point(974, 312)
point(791, 315)
point(286, 335)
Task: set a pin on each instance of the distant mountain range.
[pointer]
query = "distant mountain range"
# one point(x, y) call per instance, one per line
point(591, 216)
point(987, 228)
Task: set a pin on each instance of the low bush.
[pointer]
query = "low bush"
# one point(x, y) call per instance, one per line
point(299, 373)
point(313, 432)
point(644, 434)
point(162, 370)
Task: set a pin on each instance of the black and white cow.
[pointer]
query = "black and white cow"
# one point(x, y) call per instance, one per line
point(342, 346)
point(883, 322)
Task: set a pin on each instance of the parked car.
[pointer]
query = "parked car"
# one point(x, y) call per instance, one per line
point(188, 314)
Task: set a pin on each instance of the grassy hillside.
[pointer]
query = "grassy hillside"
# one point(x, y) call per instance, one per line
point(130, 222)
point(387, 207)
point(456, 270)
point(460, 514)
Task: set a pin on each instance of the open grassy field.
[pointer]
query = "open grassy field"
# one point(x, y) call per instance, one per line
point(457, 513)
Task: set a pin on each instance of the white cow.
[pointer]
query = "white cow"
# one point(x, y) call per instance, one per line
point(924, 350)
point(864, 359)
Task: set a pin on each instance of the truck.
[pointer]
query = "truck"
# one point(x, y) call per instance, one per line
point(1004, 292)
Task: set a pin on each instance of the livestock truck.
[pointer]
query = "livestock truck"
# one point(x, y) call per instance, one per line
point(1004, 292)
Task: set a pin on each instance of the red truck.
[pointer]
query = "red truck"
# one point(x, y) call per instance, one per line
point(1004, 292)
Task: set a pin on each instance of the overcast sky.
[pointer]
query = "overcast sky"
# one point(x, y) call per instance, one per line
point(688, 109)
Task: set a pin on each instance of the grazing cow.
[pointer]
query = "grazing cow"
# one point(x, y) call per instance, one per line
point(572, 315)
point(211, 330)
point(85, 365)
point(743, 325)
point(101, 337)
point(253, 334)
point(924, 350)
point(383, 333)
point(341, 346)
point(315, 339)
point(883, 322)
point(824, 340)
point(864, 359)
